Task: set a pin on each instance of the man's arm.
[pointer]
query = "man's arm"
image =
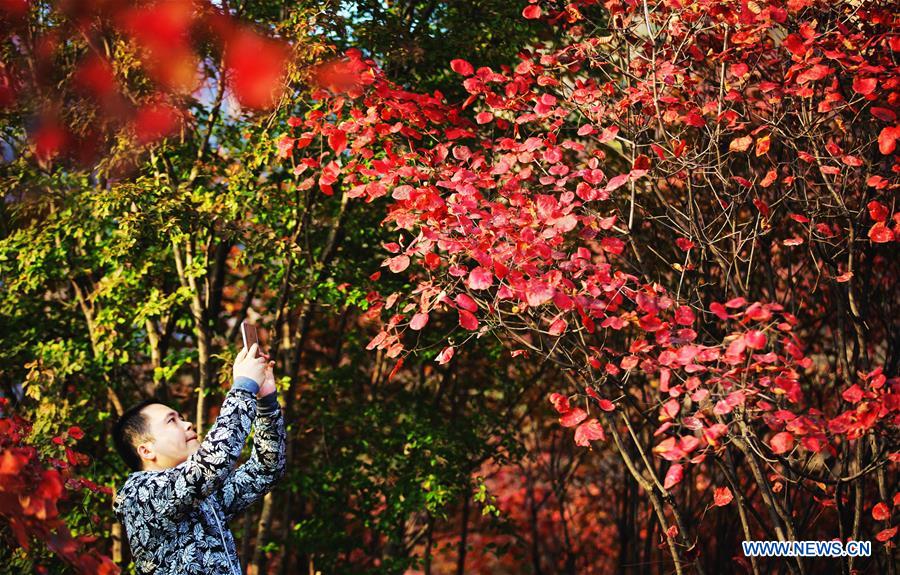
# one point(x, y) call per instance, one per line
point(173, 491)
point(258, 475)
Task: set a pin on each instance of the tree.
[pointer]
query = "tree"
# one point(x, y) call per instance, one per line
point(761, 336)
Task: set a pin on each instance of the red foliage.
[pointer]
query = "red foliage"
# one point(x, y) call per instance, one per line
point(31, 489)
point(170, 38)
point(554, 232)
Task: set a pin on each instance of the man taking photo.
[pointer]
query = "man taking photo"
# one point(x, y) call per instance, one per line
point(176, 504)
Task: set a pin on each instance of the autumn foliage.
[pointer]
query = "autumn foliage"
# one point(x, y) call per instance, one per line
point(676, 220)
point(117, 72)
point(689, 209)
point(32, 487)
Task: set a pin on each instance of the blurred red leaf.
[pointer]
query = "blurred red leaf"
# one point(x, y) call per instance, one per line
point(155, 121)
point(48, 142)
point(257, 67)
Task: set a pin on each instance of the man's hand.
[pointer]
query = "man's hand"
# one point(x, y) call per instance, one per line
point(246, 364)
point(268, 384)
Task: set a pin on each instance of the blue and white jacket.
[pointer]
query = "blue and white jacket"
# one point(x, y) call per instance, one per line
point(176, 520)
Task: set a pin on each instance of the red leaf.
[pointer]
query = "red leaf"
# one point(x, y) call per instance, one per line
point(285, 146)
point(673, 476)
point(462, 67)
point(684, 315)
point(740, 144)
point(560, 402)
point(532, 12)
point(881, 512)
point(589, 431)
point(880, 234)
point(76, 432)
point(418, 321)
point(466, 302)
point(887, 139)
point(736, 302)
point(883, 114)
point(722, 496)
point(877, 211)
point(817, 72)
point(606, 405)
point(445, 356)
point(483, 117)
point(887, 534)
point(573, 417)
point(877, 182)
point(782, 442)
point(762, 145)
point(468, 320)
point(538, 293)
point(853, 394)
point(399, 263)
point(397, 367)
point(480, 278)
point(376, 341)
point(769, 179)
point(558, 327)
point(256, 67)
point(337, 141)
point(684, 244)
point(755, 339)
point(612, 245)
point(719, 310)
point(864, 86)
point(616, 182)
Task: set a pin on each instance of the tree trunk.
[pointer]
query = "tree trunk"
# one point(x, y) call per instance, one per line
point(257, 565)
point(463, 535)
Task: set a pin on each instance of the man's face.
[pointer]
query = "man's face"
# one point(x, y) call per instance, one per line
point(170, 439)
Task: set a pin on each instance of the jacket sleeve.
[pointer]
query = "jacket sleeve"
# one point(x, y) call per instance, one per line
point(174, 491)
point(258, 475)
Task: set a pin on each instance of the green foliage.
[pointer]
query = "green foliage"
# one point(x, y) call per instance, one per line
point(414, 40)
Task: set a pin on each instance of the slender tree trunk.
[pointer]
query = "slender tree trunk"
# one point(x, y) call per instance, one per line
point(257, 565)
point(461, 548)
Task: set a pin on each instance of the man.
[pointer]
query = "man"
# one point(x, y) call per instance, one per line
point(176, 504)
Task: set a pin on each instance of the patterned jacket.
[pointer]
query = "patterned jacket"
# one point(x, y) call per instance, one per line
point(176, 520)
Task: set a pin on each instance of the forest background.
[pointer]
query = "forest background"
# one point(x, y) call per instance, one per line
point(552, 287)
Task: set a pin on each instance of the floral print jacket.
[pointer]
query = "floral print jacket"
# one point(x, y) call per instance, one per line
point(176, 520)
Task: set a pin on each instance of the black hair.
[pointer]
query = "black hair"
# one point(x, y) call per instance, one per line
point(128, 431)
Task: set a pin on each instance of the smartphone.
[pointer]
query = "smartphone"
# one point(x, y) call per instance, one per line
point(248, 332)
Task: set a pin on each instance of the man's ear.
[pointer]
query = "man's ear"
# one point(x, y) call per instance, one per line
point(146, 451)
